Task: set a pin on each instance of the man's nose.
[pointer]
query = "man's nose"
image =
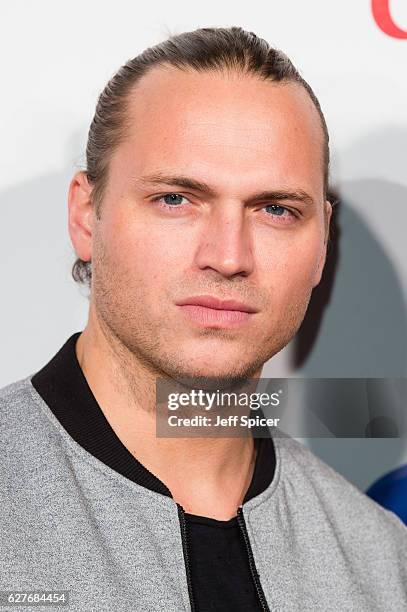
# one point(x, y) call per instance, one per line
point(226, 242)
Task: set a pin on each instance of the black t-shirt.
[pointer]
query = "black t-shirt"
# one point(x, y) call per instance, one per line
point(220, 569)
point(219, 564)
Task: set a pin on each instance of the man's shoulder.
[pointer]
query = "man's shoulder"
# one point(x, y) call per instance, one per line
point(16, 402)
point(319, 485)
point(16, 392)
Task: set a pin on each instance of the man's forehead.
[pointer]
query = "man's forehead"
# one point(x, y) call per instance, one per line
point(240, 101)
point(220, 129)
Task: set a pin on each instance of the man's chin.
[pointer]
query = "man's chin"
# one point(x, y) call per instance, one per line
point(212, 374)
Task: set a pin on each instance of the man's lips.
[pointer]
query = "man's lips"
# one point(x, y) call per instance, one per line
point(210, 301)
point(210, 311)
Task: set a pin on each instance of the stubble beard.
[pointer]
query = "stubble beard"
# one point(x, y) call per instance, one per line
point(141, 345)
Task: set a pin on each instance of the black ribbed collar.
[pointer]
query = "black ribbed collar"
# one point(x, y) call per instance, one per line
point(62, 385)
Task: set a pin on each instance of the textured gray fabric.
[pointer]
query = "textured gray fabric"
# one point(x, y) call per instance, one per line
point(320, 544)
point(69, 522)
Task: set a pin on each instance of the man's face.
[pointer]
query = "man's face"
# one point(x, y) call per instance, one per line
point(241, 137)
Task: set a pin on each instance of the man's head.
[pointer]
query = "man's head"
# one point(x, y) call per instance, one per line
point(245, 142)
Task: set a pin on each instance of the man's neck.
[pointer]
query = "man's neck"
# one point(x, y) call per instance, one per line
point(207, 476)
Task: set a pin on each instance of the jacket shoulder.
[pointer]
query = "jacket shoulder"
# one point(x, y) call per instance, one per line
point(15, 400)
point(342, 500)
point(15, 392)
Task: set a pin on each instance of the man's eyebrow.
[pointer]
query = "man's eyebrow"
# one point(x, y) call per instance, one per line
point(176, 180)
point(297, 195)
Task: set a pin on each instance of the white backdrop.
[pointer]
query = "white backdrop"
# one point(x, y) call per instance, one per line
point(55, 59)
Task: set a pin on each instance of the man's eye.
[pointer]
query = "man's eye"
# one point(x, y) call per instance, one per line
point(175, 200)
point(276, 209)
point(170, 199)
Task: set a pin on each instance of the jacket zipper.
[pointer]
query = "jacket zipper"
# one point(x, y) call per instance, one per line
point(184, 538)
point(254, 572)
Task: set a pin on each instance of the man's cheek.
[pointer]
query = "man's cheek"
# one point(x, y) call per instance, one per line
point(297, 279)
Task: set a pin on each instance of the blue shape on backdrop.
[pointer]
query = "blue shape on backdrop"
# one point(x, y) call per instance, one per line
point(390, 491)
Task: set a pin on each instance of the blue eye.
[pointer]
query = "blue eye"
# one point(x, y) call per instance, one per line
point(172, 198)
point(279, 210)
point(171, 201)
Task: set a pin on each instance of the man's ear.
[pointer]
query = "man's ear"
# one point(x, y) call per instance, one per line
point(80, 215)
point(322, 260)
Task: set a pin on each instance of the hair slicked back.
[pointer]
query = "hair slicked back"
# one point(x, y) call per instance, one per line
point(205, 49)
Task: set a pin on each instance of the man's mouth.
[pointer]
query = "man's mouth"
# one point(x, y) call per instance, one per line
point(208, 310)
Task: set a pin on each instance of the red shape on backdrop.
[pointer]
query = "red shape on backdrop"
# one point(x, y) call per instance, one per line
point(383, 18)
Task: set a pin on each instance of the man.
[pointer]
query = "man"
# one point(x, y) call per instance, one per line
point(201, 225)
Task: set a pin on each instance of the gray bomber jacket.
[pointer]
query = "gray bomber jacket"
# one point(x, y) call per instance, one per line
point(69, 522)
